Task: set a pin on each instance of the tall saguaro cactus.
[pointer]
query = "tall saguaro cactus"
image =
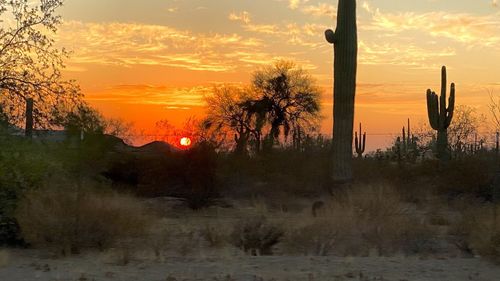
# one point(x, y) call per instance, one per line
point(345, 45)
point(440, 116)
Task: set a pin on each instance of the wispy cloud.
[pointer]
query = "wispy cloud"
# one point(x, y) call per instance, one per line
point(244, 17)
point(474, 30)
point(409, 55)
point(321, 10)
point(129, 44)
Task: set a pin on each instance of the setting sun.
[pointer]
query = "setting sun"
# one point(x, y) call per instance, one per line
point(185, 142)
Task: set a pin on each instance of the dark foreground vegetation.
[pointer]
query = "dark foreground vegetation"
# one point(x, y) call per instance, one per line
point(76, 196)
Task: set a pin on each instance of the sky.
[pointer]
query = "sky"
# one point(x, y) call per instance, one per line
point(148, 60)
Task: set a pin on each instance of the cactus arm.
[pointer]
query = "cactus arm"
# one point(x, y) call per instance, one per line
point(442, 111)
point(432, 109)
point(356, 142)
point(364, 142)
point(331, 38)
point(443, 81)
point(451, 106)
point(409, 129)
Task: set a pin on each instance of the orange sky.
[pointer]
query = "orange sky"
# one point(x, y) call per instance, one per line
point(144, 61)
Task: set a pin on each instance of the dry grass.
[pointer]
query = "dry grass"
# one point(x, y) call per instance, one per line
point(256, 235)
point(68, 220)
point(215, 234)
point(4, 258)
point(478, 232)
point(361, 221)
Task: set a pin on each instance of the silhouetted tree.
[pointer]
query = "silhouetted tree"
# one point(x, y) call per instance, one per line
point(30, 63)
point(82, 118)
point(236, 111)
point(288, 98)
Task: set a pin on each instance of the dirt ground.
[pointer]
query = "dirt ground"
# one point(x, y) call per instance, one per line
point(185, 257)
point(26, 265)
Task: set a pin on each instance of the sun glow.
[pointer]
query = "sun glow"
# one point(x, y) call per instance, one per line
point(185, 142)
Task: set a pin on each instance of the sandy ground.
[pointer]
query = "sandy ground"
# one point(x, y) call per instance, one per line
point(31, 265)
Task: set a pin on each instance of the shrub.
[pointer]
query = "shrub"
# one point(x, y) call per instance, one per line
point(23, 166)
point(70, 220)
point(317, 238)
point(360, 220)
point(256, 236)
point(200, 176)
point(215, 235)
point(478, 231)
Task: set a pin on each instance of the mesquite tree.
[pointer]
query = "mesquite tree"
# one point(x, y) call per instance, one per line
point(30, 61)
point(345, 45)
point(440, 116)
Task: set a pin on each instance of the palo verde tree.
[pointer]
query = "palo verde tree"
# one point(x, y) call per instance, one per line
point(288, 98)
point(30, 63)
point(345, 46)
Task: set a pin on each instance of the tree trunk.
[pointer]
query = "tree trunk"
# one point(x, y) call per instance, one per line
point(29, 118)
point(345, 68)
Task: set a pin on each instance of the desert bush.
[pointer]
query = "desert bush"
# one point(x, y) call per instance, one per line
point(360, 220)
point(69, 220)
point(4, 258)
point(216, 235)
point(478, 231)
point(200, 176)
point(256, 235)
point(317, 238)
point(23, 166)
point(470, 176)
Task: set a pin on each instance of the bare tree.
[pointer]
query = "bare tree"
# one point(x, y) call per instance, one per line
point(30, 63)
point(494, 107)
point(464, 131)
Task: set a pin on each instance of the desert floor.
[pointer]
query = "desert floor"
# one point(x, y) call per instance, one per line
point(32, 265)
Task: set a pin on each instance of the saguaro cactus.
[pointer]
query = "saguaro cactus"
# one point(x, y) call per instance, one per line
point(345, 45)
point(440, 116)
point(360, 142)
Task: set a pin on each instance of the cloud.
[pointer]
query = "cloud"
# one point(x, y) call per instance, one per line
point(294, 4)
point(130, 44)
point(408, 55)
point(321, 10)
point(473, 30)
point(243, 17)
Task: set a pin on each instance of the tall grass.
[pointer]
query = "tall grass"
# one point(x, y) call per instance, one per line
point(69, 220)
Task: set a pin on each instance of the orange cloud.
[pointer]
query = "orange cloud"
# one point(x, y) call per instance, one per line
point(474, 30)
point(126, 45)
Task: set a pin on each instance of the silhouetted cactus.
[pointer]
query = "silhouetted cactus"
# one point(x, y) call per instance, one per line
point(440, 116)
point(345, 42)
point(360, 142)
point(497, 143)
